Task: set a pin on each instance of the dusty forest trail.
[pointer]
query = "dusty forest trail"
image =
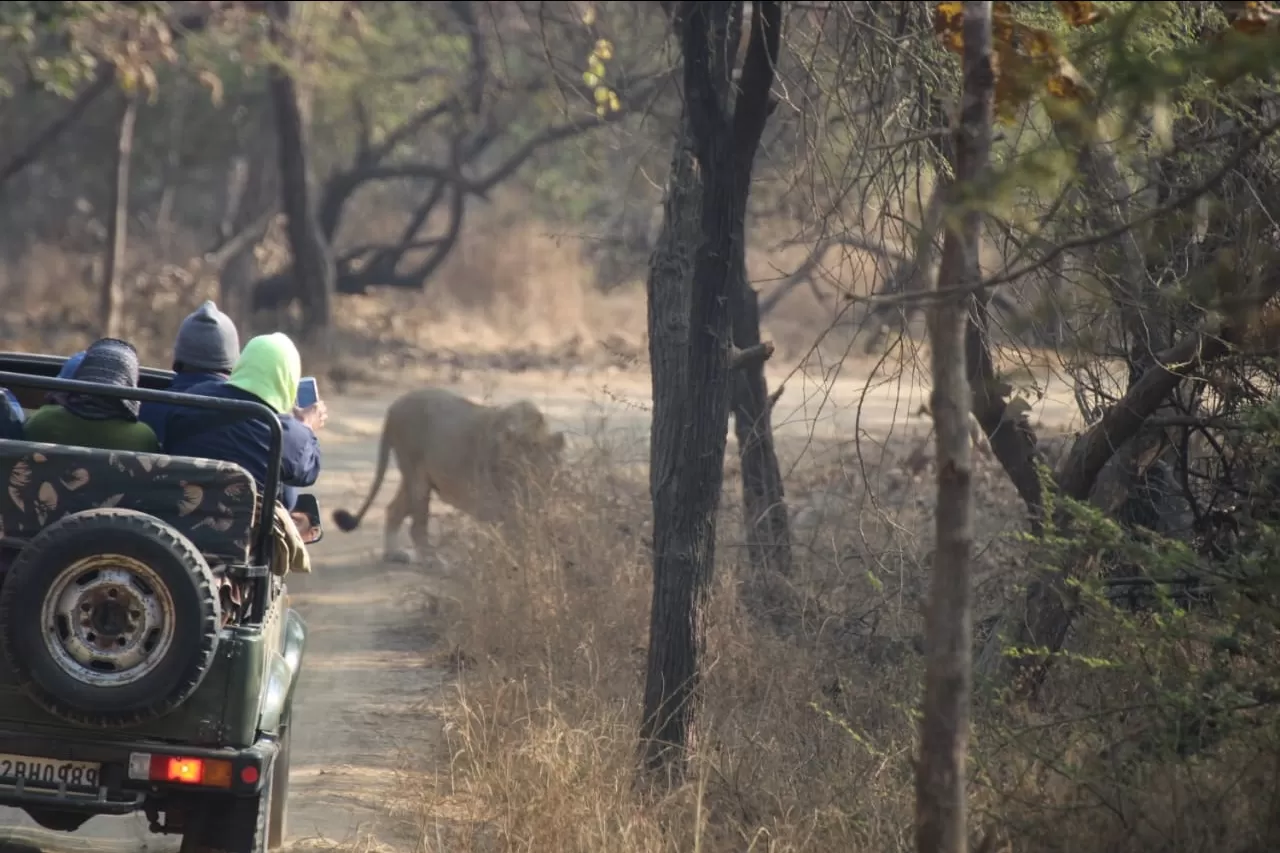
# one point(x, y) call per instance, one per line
point(365, 732)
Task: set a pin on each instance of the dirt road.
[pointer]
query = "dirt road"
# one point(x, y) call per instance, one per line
point(362, 710)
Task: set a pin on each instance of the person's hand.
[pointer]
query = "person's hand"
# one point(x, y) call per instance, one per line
point(315, 416)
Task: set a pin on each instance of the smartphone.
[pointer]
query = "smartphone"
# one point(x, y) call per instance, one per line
point(308, 395)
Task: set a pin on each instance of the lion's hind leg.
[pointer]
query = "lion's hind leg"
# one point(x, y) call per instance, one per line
point(420, 512)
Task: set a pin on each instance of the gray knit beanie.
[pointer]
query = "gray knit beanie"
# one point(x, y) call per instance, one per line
point(207, 340)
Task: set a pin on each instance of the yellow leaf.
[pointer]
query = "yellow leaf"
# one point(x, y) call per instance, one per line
point(948, 24)
point(1038, 43)
point(214, 83)
point(589, 15)
point(1063, 87)
point(590, 79)
point(604, 49)
point(1079, 14)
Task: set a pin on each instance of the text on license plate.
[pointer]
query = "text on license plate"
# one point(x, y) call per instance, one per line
point(48, 770)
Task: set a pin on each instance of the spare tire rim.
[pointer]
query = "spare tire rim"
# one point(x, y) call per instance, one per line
point(109, 620)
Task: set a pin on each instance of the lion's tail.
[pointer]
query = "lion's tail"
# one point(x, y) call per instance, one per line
point(345, 520)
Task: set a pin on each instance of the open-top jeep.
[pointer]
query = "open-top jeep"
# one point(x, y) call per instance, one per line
point(148, 656)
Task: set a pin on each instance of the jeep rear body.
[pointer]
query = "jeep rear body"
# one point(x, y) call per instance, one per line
point(222, 738)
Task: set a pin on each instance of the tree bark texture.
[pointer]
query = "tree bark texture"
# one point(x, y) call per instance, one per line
point(940, 772)
point(313, 268)
point(112, 302)
point(764, 507)
point(690, 382)
point(765, 520)
point(1013, 441)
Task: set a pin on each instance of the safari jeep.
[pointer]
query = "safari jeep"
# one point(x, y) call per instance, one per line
point(148, 656)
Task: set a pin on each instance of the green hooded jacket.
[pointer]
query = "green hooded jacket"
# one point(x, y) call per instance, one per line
point(270, 369)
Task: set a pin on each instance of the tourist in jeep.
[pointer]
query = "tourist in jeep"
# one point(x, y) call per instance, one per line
point(205, 350)
point(267, 372)
point(88, 420)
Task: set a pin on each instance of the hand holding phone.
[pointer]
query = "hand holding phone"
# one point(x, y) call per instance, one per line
point(308, 393)
point(311, 410)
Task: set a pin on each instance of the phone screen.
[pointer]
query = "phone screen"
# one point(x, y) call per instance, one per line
point(308, 395)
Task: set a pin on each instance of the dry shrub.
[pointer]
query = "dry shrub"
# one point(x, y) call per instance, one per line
point(508, 287)
point(510, 283)
point(542, 732)
point(807, 733)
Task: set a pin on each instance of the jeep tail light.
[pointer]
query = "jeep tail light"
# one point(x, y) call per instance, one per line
point(180, 770)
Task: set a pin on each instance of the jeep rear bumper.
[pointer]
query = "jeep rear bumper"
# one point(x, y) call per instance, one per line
point(130, 774)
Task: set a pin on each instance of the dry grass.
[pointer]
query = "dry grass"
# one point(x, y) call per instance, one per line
point(807, 735)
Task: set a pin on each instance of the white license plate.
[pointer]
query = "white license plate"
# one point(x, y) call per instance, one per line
point(48, 770)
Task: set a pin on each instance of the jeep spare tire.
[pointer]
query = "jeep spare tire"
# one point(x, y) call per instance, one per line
point(109, 617)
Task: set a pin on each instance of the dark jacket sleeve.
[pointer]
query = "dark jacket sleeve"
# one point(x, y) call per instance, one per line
point(300, 459)
point(11, 417)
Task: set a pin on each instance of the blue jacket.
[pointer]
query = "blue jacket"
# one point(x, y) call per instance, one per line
point(232, 438)
point(155, 415)
point(12, 417)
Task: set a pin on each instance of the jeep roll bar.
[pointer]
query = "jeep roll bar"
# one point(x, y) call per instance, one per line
point(261, 554)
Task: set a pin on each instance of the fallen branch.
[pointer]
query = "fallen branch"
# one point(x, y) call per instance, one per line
point(31, 152)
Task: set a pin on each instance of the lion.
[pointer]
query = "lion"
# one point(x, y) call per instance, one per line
point(473, 456)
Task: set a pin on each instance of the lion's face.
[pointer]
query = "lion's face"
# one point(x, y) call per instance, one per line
point(523, 438)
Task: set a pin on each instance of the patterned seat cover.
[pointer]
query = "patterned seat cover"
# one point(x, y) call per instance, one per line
point(212, 503)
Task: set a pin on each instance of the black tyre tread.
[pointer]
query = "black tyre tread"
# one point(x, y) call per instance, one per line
point(278, 817)
point(222, 825)
point(160, 533)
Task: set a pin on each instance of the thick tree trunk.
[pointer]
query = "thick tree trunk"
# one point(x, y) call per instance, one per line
point(313, 269)
point(764, 508)
point(111, 305)
point(691, 391)
point(940, 773)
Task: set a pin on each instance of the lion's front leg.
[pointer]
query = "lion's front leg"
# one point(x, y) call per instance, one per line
point(397, 512)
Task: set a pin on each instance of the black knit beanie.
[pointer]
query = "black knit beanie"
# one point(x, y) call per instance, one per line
point(107, 361)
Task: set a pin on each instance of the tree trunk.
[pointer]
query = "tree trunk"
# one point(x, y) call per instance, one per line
point(313, 268)
point(940, 773)
point(690, 337)
point(112, 303)
point(1013, 440)
point(764, 508)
